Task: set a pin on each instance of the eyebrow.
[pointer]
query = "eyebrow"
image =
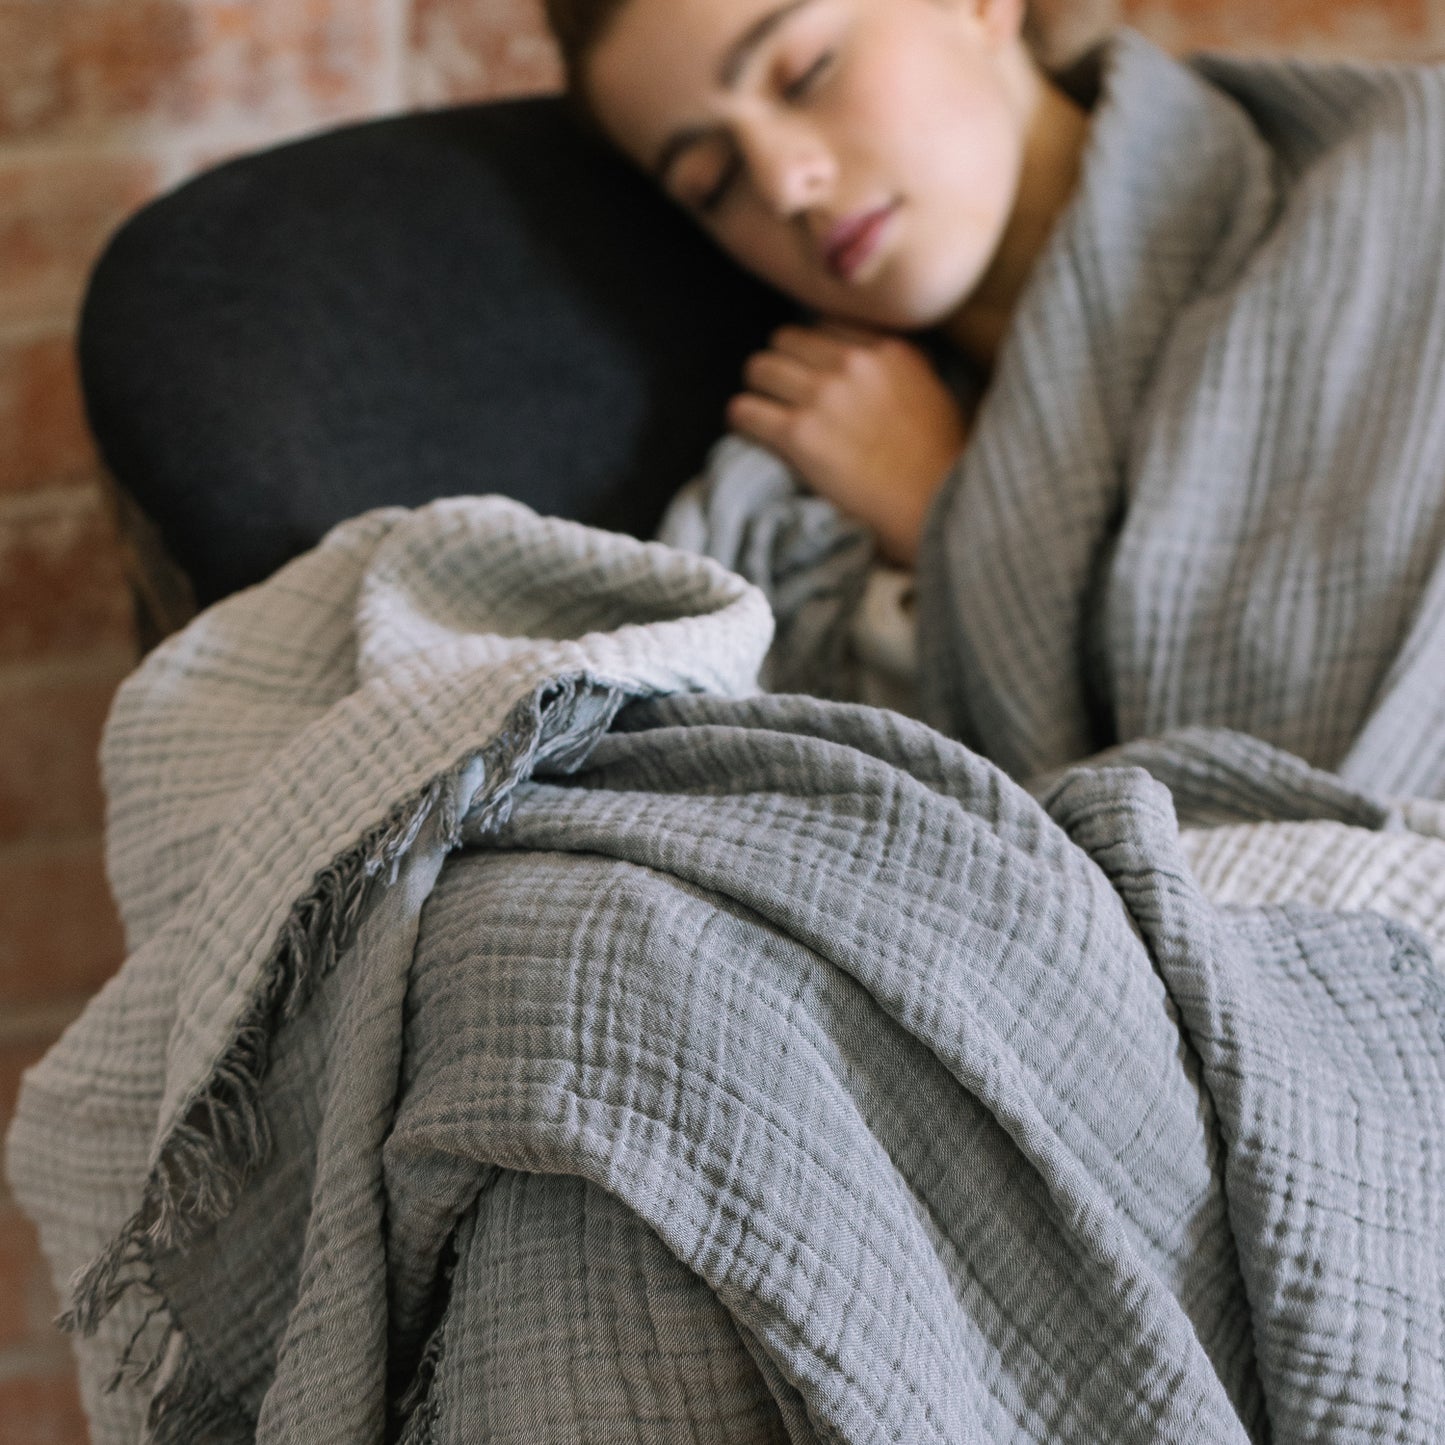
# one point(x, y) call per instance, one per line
point(734, 59)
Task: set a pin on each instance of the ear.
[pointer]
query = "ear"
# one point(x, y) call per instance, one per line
point(1002, 20)
point(1060, 31)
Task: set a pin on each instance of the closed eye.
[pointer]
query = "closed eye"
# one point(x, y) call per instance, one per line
point(715, 197)
point(794, 90)
point(799, 86)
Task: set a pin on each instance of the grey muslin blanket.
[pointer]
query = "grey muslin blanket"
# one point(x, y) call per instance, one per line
point(1206, 483)
point(532, 1032)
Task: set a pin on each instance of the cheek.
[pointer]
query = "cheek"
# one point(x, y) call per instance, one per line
point(938, 117)
point(767, 248)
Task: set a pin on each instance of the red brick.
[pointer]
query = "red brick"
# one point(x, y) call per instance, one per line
point(60, 935)
point(15, 1058)
point(78, 64)
point(56, 215)
point(290, 62)
point(464, 51)
point(19, 1048)
point(27, 1298)
point(18, 1251)
point(43, 432)
point(42, 1408)
point(62, 579)
point(1378, 29)
point(49, 733)
point(37, 1395)
point(126, 67)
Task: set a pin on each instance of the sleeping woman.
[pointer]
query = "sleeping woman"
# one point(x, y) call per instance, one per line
point(895, 167)
point(1202, 302)
point(533, 1032)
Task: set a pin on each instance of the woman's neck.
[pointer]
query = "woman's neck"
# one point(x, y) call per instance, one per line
point(1057, 131)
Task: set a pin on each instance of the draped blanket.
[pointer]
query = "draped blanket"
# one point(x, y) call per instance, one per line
point(1206, 483)
point(533, 1032)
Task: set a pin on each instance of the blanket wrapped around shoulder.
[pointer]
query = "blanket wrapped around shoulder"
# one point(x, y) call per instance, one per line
point(532, 1032)
point(1206, 483)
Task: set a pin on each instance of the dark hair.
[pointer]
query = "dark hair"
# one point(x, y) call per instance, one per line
point(578, 27)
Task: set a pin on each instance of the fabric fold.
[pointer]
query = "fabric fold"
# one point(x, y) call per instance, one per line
point(532, 1027)
point(269, 772)
point(683, 1062)
point(1203, 488)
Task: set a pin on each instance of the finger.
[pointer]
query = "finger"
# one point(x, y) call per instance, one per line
point(782, 377)
point(811, 345)
point(761, 419)
point(853, 331)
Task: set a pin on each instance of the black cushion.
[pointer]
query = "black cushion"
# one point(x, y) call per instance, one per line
point(482, 299)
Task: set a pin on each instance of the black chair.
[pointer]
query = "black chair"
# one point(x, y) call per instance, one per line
point(482, 299)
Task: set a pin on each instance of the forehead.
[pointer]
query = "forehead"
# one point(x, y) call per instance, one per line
point(660, 59)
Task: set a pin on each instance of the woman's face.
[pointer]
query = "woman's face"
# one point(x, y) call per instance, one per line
point(829, 111)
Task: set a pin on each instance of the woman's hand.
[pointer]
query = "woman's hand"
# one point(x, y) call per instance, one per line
point(862, 417)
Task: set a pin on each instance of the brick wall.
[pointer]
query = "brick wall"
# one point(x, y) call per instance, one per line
point(102, 104)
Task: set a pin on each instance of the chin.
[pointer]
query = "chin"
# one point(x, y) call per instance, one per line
point(911, 312)
point(915, 298)
point(891, 300)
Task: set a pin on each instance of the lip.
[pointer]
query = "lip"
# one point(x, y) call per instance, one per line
point(853, 240)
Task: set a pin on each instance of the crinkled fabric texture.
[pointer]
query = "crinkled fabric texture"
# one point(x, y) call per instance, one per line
point(748, 510)
point(984, 1117)
point(841, 631)
point(1205, 485)
point(711, 1067)
point(292, 765)
point(532, 1031)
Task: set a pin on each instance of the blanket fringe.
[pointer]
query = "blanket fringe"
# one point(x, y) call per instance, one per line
point(224, 1136)
point(418, 1408)
point(188, 1408)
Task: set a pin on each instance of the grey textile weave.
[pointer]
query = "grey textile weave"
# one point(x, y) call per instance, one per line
point(294, 761)
point(532, 1032)
point(701, 1066)
point(1206, 484)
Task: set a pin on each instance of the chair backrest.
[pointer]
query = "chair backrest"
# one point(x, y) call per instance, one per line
point(482, 299)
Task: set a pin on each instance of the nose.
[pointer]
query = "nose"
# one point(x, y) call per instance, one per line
point(792, 166)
